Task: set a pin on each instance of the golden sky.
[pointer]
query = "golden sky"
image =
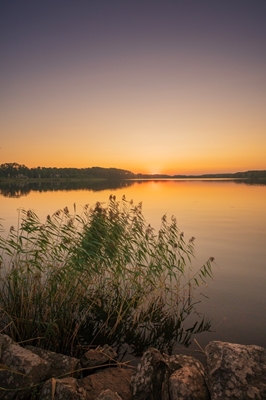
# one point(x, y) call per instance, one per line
point(175, 87)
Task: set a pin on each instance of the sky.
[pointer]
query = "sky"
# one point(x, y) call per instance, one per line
point(170, 86)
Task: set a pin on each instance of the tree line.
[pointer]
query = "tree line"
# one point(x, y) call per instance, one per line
point(21, 171)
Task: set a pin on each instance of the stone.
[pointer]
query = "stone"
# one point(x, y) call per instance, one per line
point(99, 356)
point(147, 381)
point(187, 378)
point(113, 378)
point(187, 383)
point(177, 361)
point(59, 364)
point(233, 371)
point(20, 368)
point(62, 389)
point(236, 371)
point(151, 381)
point(108, 395)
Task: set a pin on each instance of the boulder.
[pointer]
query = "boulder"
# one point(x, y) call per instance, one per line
point(62, 389)
point(233, 371)
point(187, 378)
point(187, 383)
point(163, 377)
point(20, 369)
point(100, 356)
point(236, 371)
point(147, 382)
point(59, 364)
point(108, 395)
point(115, 379)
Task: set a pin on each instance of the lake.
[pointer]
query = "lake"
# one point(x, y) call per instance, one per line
point(228, 220)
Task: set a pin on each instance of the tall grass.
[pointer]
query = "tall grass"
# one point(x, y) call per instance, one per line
point(102, 276)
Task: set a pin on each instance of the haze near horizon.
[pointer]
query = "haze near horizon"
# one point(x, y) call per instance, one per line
point(173, 87)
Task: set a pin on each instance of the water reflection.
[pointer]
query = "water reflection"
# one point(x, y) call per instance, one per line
point(16, 190)
point(23, 188)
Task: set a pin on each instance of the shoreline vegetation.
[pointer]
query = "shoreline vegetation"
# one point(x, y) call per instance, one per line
point(18, 180)
point(13, 172)
point(104, 276)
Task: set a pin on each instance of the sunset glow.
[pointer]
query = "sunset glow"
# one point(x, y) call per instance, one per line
point(148, 86)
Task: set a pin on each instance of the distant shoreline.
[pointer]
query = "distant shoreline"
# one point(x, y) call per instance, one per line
point(151, 178)
point(186, 179)
point(138, 179)
point(13, 172)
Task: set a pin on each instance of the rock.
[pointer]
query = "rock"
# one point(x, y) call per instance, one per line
point(62, 389)
point(180, 360)
point(108, 395)
point(236, 371)
point(233, 371)
point(147, 381)
point(59, 364)
point(20, 369)
point(115, 379)
point(152, 380)
point(96, 357)
point(187, 383)
point(187, 378)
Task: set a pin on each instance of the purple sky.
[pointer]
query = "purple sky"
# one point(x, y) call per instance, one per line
point(151, 86)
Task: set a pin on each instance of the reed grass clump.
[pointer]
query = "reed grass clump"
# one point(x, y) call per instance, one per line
point(104, 276)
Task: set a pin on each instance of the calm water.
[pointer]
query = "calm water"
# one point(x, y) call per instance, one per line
point(228, 220)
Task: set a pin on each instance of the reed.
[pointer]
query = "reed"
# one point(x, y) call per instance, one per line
point(102, 276)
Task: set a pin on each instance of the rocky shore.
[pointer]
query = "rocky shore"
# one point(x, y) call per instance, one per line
point(232, 371)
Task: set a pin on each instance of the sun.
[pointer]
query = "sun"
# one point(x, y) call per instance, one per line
point(154, 170)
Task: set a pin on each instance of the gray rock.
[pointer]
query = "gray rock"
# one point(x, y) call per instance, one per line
point(177, 361)
point(113, 378)
point(187, 378)
point(235, 371)
point(187, 383)
point(59, 364)
point(96, 357)
point(147, 382)
point(108, 395)
point(62, 389)
point(20, 369)
point(151, 381)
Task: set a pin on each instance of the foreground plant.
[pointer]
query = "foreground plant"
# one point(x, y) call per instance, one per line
point(103, 276)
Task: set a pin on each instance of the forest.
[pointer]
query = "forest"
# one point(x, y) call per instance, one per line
point(18, 171)
point(21, 172)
